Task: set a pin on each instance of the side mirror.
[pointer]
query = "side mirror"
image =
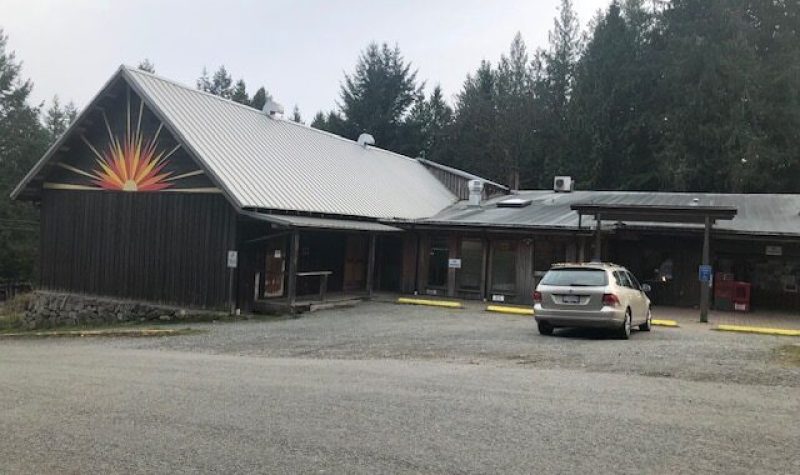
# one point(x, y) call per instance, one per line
point(646, 288)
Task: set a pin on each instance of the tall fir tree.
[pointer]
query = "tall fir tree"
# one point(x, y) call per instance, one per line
point(553, 94)
point(239, 93)
point(376, 97)
point(22, 141)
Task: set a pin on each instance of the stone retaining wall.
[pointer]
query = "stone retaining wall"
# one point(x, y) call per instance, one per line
point(53, 309)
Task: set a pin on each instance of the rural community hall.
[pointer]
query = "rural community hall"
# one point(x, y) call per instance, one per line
point(162, 193)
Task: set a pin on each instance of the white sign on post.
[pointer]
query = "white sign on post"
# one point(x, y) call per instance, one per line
point(233, 259)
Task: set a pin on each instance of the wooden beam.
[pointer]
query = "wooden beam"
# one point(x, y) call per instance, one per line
point(294, 254)
point(371, 264)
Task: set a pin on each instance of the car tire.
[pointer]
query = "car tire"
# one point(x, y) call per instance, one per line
point(647, 325)
point(625, 329)
point(545, 328)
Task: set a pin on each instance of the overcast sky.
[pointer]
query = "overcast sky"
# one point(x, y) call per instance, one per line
point(299, 50)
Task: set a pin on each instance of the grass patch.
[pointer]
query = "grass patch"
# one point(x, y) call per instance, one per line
point(788, 354)
point(11, 312)
point(106, 332)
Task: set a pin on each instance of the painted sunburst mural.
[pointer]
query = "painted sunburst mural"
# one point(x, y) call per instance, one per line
point(130, 160)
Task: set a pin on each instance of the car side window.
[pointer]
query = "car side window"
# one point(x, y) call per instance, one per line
point(634, 282)
point(622, 279)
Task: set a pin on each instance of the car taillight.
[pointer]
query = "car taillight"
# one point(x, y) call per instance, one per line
point(610, 300)
point(537, 296)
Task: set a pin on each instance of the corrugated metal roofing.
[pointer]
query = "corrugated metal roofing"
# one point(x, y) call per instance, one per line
point(758, 214)
point(321, 223)
point(271, 163)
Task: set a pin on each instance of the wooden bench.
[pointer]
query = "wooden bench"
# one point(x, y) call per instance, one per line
point(323, 280)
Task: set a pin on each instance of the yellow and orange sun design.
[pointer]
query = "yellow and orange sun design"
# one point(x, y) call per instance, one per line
point(132, 164)
point(130, 161)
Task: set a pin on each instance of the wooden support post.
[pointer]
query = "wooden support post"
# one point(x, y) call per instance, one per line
point(294, 254)
point(705, 286)
point(598, 253)
point(453, 253)
point(371, 264)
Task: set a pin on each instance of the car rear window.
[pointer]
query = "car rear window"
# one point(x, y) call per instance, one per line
point(575, 277)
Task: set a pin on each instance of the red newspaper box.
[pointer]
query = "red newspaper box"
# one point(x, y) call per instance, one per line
point(741, 297)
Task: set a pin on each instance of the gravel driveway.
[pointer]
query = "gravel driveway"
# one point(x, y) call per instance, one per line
point(388, 331)
point(382, 388)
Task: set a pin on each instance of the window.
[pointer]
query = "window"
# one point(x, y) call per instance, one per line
point(634, 282)
point(437, 262)
point(469, 276)
point(622, 279)
point(504, 267)
point(576, 277)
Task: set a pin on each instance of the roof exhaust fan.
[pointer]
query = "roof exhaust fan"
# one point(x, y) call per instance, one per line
point(366, 139)
point(273, 109)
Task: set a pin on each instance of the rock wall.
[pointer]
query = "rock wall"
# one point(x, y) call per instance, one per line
point(53, 309)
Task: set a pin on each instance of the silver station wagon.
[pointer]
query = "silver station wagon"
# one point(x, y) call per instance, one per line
point(598, 295)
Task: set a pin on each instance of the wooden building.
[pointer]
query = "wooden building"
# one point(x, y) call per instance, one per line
point(157, 187)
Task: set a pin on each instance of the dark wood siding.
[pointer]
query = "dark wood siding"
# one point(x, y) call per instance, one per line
point(160, 247)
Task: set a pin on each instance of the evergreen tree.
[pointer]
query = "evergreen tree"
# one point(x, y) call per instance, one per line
point(260, 98)
point(610, 119)
point(553, 90)
point(22, 141)
point(296, 117)
point(219, 84)
point(516, 113)
point(473, 144)
point(58, 118)
point(239, 93)
point(377, 96)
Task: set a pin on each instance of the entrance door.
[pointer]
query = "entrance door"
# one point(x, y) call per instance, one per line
point(274, 276)
point(355, 263)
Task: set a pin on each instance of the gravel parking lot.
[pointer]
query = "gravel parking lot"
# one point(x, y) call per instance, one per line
point(382, 388)
point(389, 331)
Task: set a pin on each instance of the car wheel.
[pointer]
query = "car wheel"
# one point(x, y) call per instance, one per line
point(545, 328)
point(625, 330)
point(645, 327)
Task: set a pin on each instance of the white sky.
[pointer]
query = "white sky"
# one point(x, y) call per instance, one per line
point(298, 49)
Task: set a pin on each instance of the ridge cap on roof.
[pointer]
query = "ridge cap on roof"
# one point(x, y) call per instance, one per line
point(134, 70)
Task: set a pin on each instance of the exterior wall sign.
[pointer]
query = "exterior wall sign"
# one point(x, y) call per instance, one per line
point(454, 263)
point(774, 251)
point(233, 259)
point(705, 272)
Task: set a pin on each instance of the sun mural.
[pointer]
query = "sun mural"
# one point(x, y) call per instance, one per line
point(130, 161)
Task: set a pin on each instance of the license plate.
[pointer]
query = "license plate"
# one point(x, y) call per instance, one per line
point(571, 299)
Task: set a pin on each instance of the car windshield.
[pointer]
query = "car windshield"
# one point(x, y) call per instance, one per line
point(575, 277)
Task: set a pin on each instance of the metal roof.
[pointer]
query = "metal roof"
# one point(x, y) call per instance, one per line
point(271, 163)
point(757, 214)
point(311, 222)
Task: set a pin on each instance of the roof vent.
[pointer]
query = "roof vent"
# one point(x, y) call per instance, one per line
point(513, 203)
point(475, 192)
point(272, 109)
point(366, 139)
point(562, 184)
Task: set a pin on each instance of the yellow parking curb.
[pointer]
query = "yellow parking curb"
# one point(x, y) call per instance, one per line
point(758, 330)
point(510, 310)
point(430, 303)
point(664, 323)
